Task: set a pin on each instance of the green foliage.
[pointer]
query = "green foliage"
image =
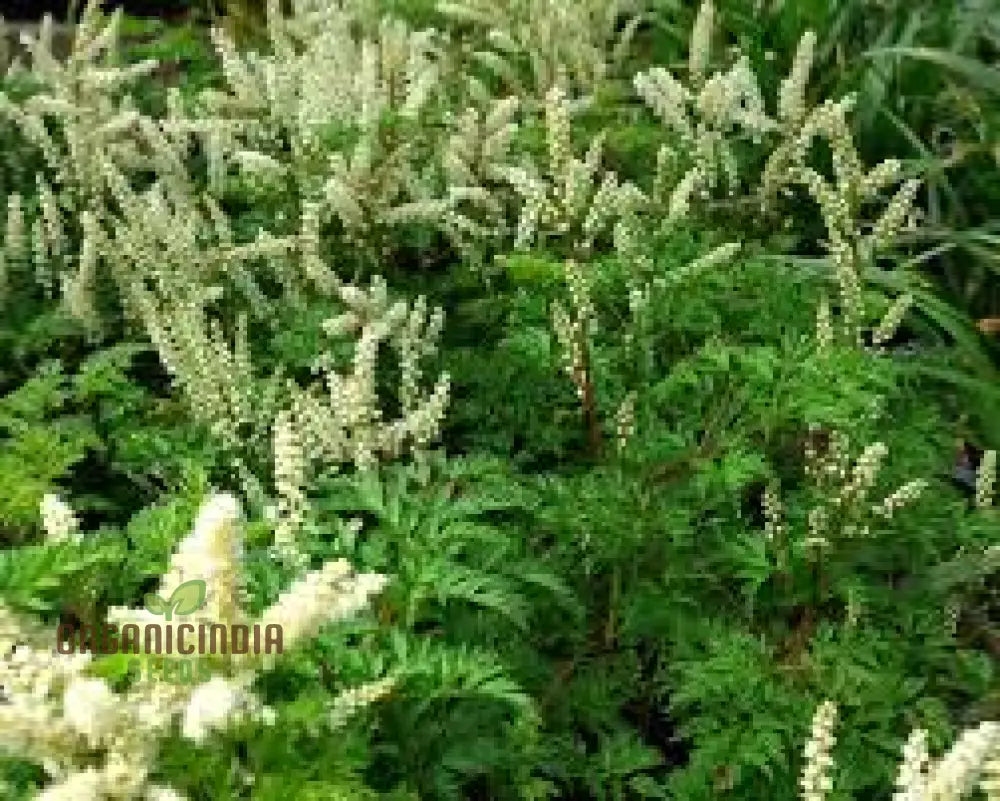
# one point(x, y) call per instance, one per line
point(578, 607)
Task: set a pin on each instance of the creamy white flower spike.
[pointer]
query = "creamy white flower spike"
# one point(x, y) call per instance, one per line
point(211, 553)
point(334, 592)
point(816, 781)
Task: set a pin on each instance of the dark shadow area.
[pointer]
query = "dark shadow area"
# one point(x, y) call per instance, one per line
point(32, 10)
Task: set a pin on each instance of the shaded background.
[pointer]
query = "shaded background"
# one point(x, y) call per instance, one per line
point(34, 9)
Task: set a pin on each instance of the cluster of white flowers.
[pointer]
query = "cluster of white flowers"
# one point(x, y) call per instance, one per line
point(79, 121)
point(570, 198)
point(334, 592)
point(212, 706)
point(99, 744)
point(319, 70)
point(969, 764)
point(171, 248)
point(956, 773)
point(629, 248)
point(12, 254)
point(863, 476)
point(214, 377)
point(78, 287)
point(479, 142)
point(700, 50)
point(990, 782)
point(700, 117)
point(840, 202)
point(290, 480)
point(791, 94)
point(58, 519)
point(340, 421)
point(842, 510)
point(912, 772)
point(90, 708)
point(576, 40)
point(172, 252)
point(817, 521)
point(211, 553)
point(829, 461)
point(328, 66)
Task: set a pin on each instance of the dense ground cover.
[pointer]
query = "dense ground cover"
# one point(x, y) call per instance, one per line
point(602, 398)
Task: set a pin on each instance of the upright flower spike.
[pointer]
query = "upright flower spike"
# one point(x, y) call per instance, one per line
point(290, 479)
point(557, 127)
point(700, 52)
point(568, 198)
point(775, 527)
point(350, 702)
point(888, 226)
point(334, 592)
point(78, 288)
point(573, 329)
point(702, 116)
point(843, 510)
point(816, 781)
point(625, 421)
point(887, 329)
point(211, 553)
point(986, 477)
point(667, 98)
point(15, 239)
point(906, 494)
point(341, 421)
point(791, 95)
point(824, 326)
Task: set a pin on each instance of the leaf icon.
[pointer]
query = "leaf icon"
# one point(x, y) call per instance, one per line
point(155, 604)
point(188, 597)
